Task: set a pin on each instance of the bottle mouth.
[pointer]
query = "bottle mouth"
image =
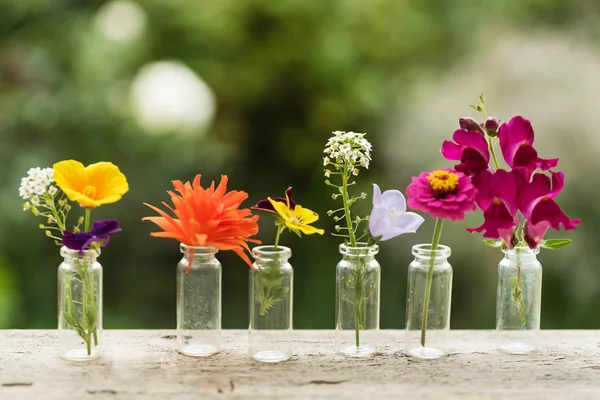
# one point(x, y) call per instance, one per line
point(198, 250)
point(522, 250)
point(425, 251)
point(270, 252)
point(70, 253)
point(361, 249)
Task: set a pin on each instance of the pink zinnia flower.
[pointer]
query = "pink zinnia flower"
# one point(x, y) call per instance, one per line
point(444, 193)
point(536, 201)
point(470, 148)
point(497, 196)
point(516, 142)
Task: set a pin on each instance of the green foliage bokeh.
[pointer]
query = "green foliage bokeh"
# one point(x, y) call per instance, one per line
point(284, 75)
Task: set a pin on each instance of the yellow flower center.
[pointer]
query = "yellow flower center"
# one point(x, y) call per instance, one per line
point(394, 213)
point(90, 191)
point(442, 182)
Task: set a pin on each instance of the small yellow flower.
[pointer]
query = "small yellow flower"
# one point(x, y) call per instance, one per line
point(297, 219)
point(91, 186)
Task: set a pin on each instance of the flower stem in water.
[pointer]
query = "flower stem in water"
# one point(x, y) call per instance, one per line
point(437, 233)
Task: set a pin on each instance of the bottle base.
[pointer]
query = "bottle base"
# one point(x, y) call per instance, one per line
point(270, 356)
point(78, 355)
point(517, 348)
point(198, 350)
point(360, 351)
point(426, 353)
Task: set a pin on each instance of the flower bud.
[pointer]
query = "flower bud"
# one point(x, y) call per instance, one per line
point(469, 124)
point(491, 126)
point(337, 228)
point(330, 212)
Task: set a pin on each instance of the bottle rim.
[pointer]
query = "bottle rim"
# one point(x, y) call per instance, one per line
point(524, 250)
point(198, 250)
point(424, 250)
point(361, 249)
point(71, 253)
point(268, 251)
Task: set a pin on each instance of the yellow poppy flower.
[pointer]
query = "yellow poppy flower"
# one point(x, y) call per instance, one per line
point(91, 186)
point(298, 219)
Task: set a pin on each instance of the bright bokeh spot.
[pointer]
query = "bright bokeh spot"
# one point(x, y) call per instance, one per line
point(121, 20)
point(169, 96)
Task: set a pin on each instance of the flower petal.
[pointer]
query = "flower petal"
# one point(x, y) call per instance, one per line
point(451, 151)
point(305, 216)
point(472, 139)
point(406, 223)
point(394, 199)
point(512, 135)
point(376, 195)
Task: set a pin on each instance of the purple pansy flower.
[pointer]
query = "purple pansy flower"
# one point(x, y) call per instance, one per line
point(265, 205)
point(389, 217)
point(100, 232)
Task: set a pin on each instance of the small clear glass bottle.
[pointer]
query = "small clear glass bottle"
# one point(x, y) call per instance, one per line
point(428, 310)
point(518, 301)
point(271, 304)
point(358, 277)
point(198, 301)
point(79, 305)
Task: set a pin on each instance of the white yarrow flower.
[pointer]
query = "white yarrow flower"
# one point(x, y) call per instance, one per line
point(36, 184)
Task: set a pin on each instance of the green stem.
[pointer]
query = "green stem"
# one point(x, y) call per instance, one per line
point(345, 200)
point(493, 153)
point(437, 233)
point(279, 230)
point(518, 294)
point(88, 220)
point(358, 285)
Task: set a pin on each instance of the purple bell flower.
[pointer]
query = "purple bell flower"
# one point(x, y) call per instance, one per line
point(389, 217)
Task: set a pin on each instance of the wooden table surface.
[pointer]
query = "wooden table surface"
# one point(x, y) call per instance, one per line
point(143, 364)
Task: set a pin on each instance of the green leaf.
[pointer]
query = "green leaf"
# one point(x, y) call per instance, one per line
point(492, 242)
point(72, 321)
point(481, 99)
point(553, 244)
point(513, 282)
point(477, 108)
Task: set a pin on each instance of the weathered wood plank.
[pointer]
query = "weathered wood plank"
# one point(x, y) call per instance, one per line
point(141, 364)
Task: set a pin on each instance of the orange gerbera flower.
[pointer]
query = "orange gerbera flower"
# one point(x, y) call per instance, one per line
point(208, 217)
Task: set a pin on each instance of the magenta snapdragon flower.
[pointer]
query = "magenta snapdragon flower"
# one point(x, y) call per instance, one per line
point(536, 201)
point(497, 196)
point(516, 142)
point(443, 193)
point(471, 149)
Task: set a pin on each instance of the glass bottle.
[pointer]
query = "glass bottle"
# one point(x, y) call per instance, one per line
point(428, 310)
point(518, 301)
point(271, 304)
point(198, 301)
point(358, 277)
point(79, 305)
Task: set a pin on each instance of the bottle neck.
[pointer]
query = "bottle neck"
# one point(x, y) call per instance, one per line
point(267, 254)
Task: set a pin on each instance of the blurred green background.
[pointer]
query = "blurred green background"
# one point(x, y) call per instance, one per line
point(253, 89)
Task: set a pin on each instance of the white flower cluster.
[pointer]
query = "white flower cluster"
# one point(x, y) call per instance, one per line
point(38, 182)
point(348, 148)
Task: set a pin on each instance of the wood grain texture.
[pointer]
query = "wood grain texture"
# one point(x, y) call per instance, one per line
point(140, 364)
